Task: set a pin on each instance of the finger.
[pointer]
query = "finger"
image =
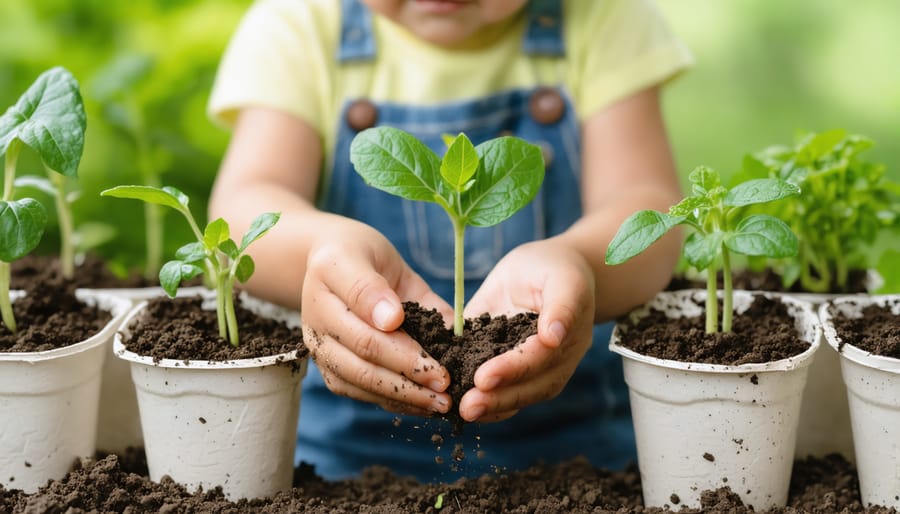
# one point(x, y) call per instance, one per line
point(522, 362)
point(563, 302)
point(501, 416)
point(341, 387)
point(476, 404)
point(360, 379)
point(395, 351)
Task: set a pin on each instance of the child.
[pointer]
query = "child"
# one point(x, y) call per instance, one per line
point(578, 77)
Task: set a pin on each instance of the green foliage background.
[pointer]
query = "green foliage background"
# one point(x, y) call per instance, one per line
point(765, 69)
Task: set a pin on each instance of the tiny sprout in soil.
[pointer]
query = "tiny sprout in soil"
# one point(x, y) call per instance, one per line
point(214, 252)
point(713, 211)
point(475, 185)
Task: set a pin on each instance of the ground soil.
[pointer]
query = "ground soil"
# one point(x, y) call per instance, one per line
point(92, 272)
point(765, 332)
point(768, 280)
point(120, 484)
point(877, 331)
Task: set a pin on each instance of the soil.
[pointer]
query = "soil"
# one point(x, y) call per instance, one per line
point(49, 316)
point(877, 331)
point(120, 484)
point(178, 328)
point(764, 332)
point(768, 280)
point(93, 272)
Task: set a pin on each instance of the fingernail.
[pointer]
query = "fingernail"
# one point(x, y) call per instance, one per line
point(476, 412)
point(382, 313)
point(490, 383)
point(437, 386)
point(440, 404)
point(558, 331)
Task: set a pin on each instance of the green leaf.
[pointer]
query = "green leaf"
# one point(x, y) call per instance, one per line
point(764, 235)
point(244, 268)
point(704, 180)
point(120, 76)
point(173, 272)
point(701, 250)
point(637, 233)
point(821, 144)
point(259, 227)
point(215, 233)
point(393, 161)
point(21, 227)
point(760, 190)
point(687, 206)
point(42, 184)
point(191, 252)
point(167, 196)
point(49, 117)
point(510, 175)
point(459, 163)
point(229, 248)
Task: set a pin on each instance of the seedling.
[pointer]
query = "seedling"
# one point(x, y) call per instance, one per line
point(712, 211)
point(475, 185)
point(846, 202)
point(213, 252)
point(49, 118)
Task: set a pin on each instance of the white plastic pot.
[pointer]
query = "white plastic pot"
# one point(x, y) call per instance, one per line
point(119, 425)
point(49, 402)
point(873, 386)
point(704, 426)
point(231, 424)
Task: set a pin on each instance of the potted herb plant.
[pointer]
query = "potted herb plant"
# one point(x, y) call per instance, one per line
point(864, 332)
point(848, 202)
point(53, 341)
point(477, 186)
point(217, 407)
point(715, 402)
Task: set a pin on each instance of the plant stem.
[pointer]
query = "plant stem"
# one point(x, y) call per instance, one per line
point(727, 294)
point(9, 178)
point(230, 316)
point(221, 286)
point(153, 216)
point(64, 214)
point(712, 303)
point(459, 295)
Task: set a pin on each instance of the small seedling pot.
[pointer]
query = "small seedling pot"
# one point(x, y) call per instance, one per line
point(704, 426)
point(49, 402)
point(231, 424)
point(119, 425)
point(872, 383)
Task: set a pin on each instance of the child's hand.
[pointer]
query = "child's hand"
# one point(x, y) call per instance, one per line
point(351, 309)
point(558, 284)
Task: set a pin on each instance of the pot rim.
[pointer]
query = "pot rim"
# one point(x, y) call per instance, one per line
point(849, 351)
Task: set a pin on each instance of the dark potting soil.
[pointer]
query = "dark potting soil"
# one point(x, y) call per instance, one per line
point(877, 331)
point(49, 316)
point(93, 273)
point(117, 484)
point(764, 332)
point(483, 338)
point(768, 280)
point(178, 328)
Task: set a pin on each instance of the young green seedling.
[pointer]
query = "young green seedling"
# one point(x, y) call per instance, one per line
point(712, 211)
point(475, 185)
point(214, 252)
point(49, 118)
point(846, 203)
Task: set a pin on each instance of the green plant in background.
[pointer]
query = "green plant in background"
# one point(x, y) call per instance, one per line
point(846, 203)
point(49, 118)
point(213, 252)
point(479, 186)
point(712, 211)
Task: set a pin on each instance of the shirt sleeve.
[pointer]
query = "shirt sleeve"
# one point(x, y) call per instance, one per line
point(618, 48)
point(276, 59)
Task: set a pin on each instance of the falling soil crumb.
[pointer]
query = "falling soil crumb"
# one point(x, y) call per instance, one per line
point(459, 453)
point(437, 439)
point(202, 420)
point(438, 459)
point(674, 499)
point(480, 454)
point(710, 457)
point(754, 379)
point(397, 421)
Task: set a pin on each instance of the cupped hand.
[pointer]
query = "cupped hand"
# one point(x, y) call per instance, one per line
point(351, 309)
point(557, 283)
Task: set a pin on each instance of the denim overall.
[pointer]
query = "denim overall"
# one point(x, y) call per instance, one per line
point(590, 417)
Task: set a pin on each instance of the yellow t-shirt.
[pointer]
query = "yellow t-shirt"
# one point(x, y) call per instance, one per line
point(284, 56)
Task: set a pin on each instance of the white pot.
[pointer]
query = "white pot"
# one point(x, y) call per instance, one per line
point(873, 384)
point(48, 404)
point(704, 426)
point(231, 424)
point(119, 425)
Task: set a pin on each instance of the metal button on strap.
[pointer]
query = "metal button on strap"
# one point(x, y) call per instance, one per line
point(546, 105)
point(362, 114)
point(547, 152)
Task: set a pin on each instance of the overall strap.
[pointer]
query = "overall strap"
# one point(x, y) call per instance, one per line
point(544, 35)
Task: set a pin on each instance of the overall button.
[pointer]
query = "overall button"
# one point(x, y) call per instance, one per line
point(547, 152)
point(362, 114)
point(546, 106)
